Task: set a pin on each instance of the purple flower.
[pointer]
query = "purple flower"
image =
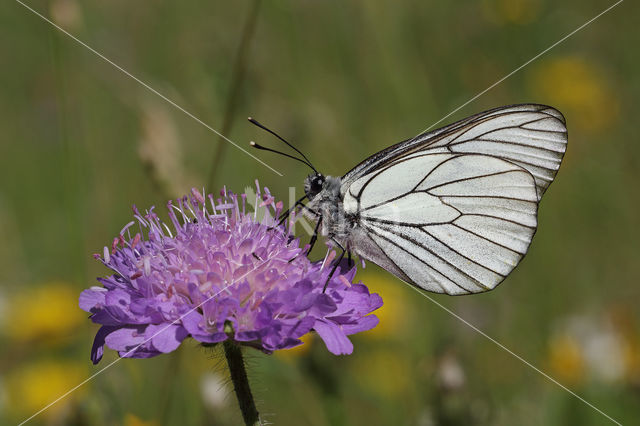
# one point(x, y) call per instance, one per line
point(220, 273)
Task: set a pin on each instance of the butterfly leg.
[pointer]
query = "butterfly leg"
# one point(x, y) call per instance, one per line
point(313, 240)
point(314, 237)
point(309, 210)
point(335, 265)
point(286, 214)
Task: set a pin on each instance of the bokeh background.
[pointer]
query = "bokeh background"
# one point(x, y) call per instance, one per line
point(81, 142)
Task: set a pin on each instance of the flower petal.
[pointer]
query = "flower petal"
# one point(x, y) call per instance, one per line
point(334, 338)
point(92, 297)
point(125, 338)
point(364, 324)
point(97, 349)
point(165, 338)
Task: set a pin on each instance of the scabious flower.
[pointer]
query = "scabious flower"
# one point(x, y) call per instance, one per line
point(222, 273)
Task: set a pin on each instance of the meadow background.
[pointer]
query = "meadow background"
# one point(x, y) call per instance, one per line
point(82, 142)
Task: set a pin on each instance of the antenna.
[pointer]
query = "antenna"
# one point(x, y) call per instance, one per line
point(264, 148)
point(255, 145)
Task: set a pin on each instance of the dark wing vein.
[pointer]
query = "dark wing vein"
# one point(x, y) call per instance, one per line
point(487, 239)
point(469, 178)
point(374, 231)
point(544, 174)
point(460, 254)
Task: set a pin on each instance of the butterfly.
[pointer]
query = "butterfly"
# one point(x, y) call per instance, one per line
point(450, 211)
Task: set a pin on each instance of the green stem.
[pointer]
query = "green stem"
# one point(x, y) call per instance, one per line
point(233, 352)
point(238, 73)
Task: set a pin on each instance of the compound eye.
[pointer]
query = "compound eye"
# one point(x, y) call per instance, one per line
point(313, 185)
point(317, 183)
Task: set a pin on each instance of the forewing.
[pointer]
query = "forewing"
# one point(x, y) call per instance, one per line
point(530, 135)
point(449, 223)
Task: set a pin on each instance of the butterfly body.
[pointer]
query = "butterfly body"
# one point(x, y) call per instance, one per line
point(341, 225)
point(450, 211)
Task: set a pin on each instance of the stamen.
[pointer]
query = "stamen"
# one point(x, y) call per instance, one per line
point(147, 266)
point(328, 258)
point(344, 280)
point(136, 240)
point(197, 195)
point(168, 230)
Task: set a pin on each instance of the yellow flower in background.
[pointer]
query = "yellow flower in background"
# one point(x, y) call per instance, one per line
point(47, 313)
point(574, 86)
point(384, 372)
point(395, 313)
point(623, 319)
point(133, 420)
point(632, 360)
point(511, 11)
point(598, 348)
point(566, 362)
point(30, 387)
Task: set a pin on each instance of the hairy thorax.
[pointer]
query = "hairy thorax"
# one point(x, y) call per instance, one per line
point(336, 224)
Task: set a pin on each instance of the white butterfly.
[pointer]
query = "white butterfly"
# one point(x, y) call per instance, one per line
point(450, 211)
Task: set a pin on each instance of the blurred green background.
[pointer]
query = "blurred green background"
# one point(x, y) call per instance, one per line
point(81, 142)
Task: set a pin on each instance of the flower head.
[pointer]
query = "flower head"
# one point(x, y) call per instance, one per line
point(221, 273)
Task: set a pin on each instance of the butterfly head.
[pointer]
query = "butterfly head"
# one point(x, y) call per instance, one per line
point(313, 184)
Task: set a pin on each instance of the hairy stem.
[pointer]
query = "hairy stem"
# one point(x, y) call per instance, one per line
point(233, 353)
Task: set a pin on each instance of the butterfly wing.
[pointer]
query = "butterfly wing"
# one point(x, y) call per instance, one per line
point(448, 223)
point(530, 135)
